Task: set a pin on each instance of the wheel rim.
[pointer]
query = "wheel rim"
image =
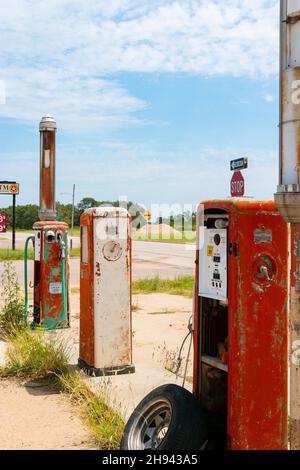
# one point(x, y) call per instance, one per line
point(151, 426)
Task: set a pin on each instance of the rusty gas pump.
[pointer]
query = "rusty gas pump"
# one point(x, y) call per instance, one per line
point(240, 329)
point(105, 292)
point(51, 269)
point(240, 375)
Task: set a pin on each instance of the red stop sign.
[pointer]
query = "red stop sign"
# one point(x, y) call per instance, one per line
point(2, 222)
point(237, 185)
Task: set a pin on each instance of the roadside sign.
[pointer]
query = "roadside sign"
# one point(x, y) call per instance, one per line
point(12, 188)
point(147, 215)
point(239, 164)
point(2, 222)
point(237, 185)
point(9, 188)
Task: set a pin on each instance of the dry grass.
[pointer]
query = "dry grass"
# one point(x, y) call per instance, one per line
point(105, 424)
point(34, 354)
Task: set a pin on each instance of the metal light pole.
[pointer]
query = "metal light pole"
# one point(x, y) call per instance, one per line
point(287, 197)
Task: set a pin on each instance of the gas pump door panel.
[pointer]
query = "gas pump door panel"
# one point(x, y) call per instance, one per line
point(213, 263)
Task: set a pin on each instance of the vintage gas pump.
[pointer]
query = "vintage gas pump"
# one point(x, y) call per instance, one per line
point(240, 330)
point(240, 377)
point(105, 292)
point(51, 271)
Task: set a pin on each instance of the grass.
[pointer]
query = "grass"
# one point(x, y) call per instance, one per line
point(105, 424)
point(179, 286)
point(186, 237)
point(34, 354)
point(18, 254)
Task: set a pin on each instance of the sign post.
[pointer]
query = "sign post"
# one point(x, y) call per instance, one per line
point(147, 217)
point(237, 184)
point(11, 187)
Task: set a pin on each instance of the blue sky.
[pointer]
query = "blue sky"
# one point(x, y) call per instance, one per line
point(152, 98)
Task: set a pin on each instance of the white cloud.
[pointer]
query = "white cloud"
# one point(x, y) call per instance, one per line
point(269, 98)
point(140, 173)
point(179, 177)
point(59, 56)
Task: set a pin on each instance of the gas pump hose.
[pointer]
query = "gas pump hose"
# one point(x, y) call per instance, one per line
point(26, 275)
point(64, 287)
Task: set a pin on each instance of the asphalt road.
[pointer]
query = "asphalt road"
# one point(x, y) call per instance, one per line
point(150, 259)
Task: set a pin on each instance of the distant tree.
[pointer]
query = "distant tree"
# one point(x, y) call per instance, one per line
point(87, 203)
point(186, 221)
point(135, 210)
point(26, 216)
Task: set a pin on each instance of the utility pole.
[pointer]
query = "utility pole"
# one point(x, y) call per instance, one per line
point(287, 197)
point(73, 208)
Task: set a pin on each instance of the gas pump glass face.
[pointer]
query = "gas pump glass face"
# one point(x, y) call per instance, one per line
point(112, 250)
point(50, 236)
point(59, 237)
point(217, 239)
point(84, 245)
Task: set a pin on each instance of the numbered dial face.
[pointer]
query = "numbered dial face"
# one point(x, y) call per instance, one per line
point(112, 250)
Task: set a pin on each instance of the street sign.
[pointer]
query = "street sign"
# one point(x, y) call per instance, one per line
point(2, 222)
point(237, 184)
point(147, 215)
point(9, 188)
point(239, 164)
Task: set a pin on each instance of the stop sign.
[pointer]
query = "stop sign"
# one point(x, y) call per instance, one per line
point(2, 222)
point(237, 184)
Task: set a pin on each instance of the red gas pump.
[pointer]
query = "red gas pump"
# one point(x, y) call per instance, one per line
point(240, 378)
point(240, 332)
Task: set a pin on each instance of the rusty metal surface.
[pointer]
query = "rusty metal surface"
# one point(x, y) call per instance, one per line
point(294, 340)
point(50, 225)
point(86, 347)
point(289, 168)
point(257, 323)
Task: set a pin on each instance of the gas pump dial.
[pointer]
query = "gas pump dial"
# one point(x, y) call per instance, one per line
point(264, 270)
point(112, 250)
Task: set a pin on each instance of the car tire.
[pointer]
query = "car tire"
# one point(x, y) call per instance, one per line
point(168, 418)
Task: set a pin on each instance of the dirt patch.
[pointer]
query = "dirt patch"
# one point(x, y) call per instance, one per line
point(35, 417)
